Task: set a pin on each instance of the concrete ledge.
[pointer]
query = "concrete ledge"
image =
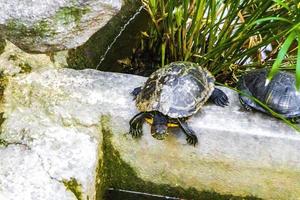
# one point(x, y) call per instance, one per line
point(76, 123)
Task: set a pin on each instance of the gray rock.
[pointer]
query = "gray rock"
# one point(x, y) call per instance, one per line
point(41, 26)
point(13, 60)
point(73, 126)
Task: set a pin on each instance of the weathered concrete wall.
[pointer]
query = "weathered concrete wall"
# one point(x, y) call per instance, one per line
point(65, 132)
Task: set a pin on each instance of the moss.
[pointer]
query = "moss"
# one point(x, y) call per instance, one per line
point(74, 187)
point(25, 68)
point(101, 184)
point(68, 15)
point(77, 59)
point(42, 28)
point(13, 57)
point(15, 25)
point(118, 174)
point(39, 29)
point(3, 83)
point(2, 45)
point(3, 142)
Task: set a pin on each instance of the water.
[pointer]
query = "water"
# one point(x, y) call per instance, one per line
point(118, 194)
point(120, 33)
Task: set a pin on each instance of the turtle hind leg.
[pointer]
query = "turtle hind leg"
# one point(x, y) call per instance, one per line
point(246, 106)
point(191, 138)
point(136, 124)
point(249, 103)
point(136, 91)
point(219, 97)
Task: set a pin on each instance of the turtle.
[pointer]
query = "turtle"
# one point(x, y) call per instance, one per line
point(279, 94)
point(170, 96)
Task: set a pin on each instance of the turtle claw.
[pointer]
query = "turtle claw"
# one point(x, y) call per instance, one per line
point(192, 139)
point(219, 98)
point(223, 100)
point(248, 108)
point(136, 125)
point(135, 92)
point(136, 132)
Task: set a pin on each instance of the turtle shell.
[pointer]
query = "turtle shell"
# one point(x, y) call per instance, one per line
point(279, 94)
point(176, 90)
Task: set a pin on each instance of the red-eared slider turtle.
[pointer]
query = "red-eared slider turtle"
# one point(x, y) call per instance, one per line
point(171, 95)
point(279, 94)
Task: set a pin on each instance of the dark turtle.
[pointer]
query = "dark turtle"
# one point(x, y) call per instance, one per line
point(171, 95)
point(279, 94)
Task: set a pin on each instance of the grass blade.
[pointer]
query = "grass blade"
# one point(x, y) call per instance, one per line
point(271, 19)
point(281, 54)
point(298, 66)
point(163, 53)
point(280, 2)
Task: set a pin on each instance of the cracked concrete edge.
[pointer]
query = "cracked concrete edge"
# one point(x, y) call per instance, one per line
point(82, 187)
point(26, 177)
point(70, 182)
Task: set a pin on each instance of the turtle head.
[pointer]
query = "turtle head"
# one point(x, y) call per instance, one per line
point(159, 131)
point(160, 126)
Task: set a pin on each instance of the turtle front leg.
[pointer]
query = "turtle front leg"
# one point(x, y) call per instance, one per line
point(135, 92)
point(136, 124)
point(191, 138)
point(219, 98)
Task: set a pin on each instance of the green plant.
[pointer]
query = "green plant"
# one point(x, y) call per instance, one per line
point(220, 35)
point(286, 13)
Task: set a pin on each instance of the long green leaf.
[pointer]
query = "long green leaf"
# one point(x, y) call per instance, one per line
point(271, 19)
point(280, 2)
point(163, 53)
point(281, 54)
point(298, 65)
